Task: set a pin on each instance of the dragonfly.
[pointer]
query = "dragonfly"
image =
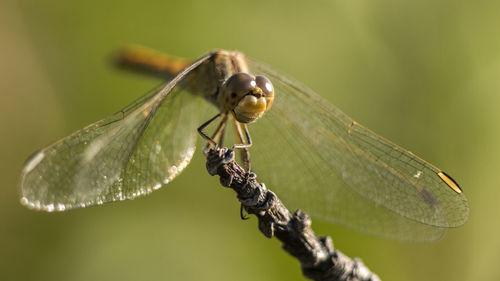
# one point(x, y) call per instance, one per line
point(309, 152)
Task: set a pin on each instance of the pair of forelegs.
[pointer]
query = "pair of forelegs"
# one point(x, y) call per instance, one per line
point(240, 130)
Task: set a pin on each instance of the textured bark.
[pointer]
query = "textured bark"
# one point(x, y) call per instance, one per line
point(318, 259)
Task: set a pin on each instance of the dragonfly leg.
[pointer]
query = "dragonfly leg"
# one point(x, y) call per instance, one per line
point(245, 154)
point(242, 213)
point(203, 135)
point(221, 140)
point(219, 133)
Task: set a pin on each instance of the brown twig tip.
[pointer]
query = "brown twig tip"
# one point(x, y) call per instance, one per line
point(319, 260)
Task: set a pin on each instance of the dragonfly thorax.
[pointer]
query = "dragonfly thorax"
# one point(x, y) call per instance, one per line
point(246, 96)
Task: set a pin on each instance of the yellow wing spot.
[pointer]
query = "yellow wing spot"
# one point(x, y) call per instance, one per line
point(450, 182)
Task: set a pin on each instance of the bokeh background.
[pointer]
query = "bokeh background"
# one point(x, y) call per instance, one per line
point(425, 74)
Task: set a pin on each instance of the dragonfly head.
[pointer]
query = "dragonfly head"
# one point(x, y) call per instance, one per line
point(247, 97)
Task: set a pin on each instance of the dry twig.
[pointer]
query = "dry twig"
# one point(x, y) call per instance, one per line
point(319, 260)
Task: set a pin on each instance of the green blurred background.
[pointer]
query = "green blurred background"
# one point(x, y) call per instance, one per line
point(425, 74)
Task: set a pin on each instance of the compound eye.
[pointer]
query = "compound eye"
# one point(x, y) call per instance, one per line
point(241, 83)
point(264, 84)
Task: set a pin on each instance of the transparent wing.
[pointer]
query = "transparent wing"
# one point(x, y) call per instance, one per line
point(125, 155)
point(318, 159)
